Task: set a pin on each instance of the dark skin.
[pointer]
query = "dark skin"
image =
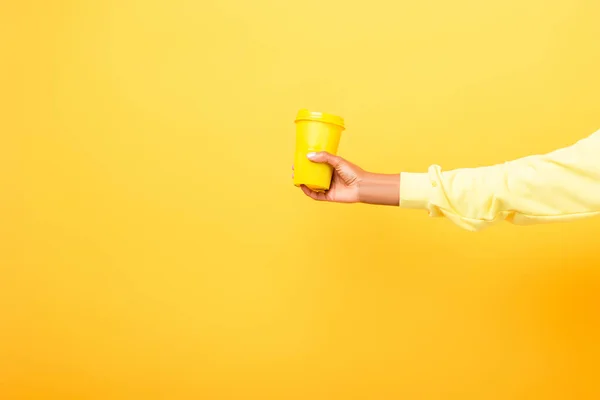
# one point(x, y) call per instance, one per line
point(352, 184)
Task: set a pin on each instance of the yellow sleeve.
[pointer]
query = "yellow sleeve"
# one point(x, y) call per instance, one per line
point(559, 186)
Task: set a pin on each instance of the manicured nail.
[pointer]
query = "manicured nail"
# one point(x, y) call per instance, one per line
point(311, 155)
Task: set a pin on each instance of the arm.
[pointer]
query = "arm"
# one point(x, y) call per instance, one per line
point(558, 186)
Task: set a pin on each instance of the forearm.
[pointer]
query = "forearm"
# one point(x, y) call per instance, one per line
point(380, 189)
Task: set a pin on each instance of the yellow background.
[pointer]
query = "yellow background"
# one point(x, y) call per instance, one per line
point(152, 245)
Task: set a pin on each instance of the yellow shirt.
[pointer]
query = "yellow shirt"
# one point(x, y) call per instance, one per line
point(559, 186)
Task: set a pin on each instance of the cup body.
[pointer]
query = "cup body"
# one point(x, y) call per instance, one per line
point(315, 132)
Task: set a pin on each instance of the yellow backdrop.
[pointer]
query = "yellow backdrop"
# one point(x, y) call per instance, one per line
point(152, 245)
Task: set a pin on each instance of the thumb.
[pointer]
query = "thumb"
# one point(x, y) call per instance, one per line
point(325, 157)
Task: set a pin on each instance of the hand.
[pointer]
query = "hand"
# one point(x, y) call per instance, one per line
point(344, 183)
point(352, 184)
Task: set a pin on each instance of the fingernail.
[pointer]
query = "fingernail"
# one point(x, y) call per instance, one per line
point(311, 155)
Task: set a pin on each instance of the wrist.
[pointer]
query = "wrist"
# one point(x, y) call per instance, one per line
point(379, 189)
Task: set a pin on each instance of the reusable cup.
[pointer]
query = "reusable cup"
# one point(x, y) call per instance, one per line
point(315, 132)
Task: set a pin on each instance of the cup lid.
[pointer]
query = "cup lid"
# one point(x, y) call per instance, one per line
point(306, 115)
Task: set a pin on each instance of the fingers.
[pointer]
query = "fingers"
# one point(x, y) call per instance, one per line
point(325, 157)
point(313, 195)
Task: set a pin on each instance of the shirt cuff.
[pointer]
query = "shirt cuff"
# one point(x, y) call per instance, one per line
point(415, 190)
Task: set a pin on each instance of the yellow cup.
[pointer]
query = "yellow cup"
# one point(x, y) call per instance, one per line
point(315, 131)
